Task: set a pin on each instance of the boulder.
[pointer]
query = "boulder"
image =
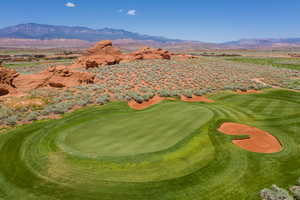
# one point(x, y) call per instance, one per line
point(7, 78)
point(101, 54)
point(103, 48)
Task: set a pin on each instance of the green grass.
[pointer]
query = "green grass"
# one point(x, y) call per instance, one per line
point(169, 151)
point(289, 63)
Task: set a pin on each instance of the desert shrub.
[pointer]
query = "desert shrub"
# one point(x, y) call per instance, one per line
point(200, 92)
point(188, 93)
point(23, 109)
point(5, 113)
point(148, 96)
point(133, 94)
point(84, 99)
point(296, 190)
point(174, 93)
point(228, 87)
point(127, 97)
point(57, 99)
point(139, 99)
point(59, 108)
point(164, 93)
point(11, 120)
point(103, 99)
point(32, 116)
point(275, 193)
point(119, 97)
point(82, 102)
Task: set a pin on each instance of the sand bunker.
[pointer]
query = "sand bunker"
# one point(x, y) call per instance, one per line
point(260, 141)
point(156, 99)
point(196, 99)
point(140, 106)
point(249, 92)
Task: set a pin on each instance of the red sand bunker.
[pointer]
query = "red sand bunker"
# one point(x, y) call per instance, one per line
point(196, 99)
point(248, 92)
point(260, 141)
point(140, 106)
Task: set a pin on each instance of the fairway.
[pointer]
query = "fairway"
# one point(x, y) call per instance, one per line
point(169, 151)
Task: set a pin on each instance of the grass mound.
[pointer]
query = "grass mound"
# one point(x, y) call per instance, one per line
point(171, 150)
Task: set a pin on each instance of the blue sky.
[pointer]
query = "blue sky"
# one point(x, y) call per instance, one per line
point(203, 20)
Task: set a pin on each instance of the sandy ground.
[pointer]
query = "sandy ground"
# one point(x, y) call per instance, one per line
point(260, 141)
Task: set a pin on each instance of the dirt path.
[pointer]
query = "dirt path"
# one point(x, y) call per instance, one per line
point(259, 80)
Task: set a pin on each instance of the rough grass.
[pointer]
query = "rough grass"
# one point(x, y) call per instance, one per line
point(169, 151)
point(290, 63)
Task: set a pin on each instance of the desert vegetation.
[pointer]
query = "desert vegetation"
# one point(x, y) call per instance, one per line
point(142, 80)
point(276, 193)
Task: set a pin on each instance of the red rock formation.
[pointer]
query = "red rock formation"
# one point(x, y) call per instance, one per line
point(57, 77)
point(103, 53)
point(7, 77)
point(151, 53)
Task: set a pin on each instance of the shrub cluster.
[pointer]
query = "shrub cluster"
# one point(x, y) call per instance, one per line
point(277, 193)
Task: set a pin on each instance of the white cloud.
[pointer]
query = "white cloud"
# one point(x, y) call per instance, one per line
point(131, 12)
point(70, 5)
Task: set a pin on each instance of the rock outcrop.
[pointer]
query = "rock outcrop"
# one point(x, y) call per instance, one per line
point(7, 77)
point(57, 77)
point(146, 53)
point(103, 53)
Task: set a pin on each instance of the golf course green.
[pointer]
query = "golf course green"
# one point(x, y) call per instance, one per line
point(169, 151)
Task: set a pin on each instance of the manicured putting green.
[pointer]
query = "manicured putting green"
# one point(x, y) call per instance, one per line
point(131, 133)
point(169, 151)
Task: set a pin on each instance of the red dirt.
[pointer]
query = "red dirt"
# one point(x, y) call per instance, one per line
point(196, 99)
point(248, 92)
point(260, 141)
point(140, 106)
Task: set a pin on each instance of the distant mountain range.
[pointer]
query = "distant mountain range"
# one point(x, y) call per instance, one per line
point(51, 36)
point(263, 43)
point(50, 32)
